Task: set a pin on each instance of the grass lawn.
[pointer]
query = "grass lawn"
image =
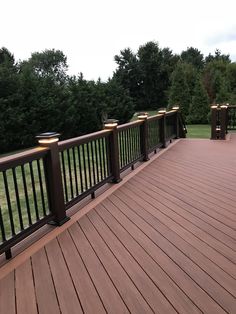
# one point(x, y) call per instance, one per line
point(194, 130)
point(199, 131)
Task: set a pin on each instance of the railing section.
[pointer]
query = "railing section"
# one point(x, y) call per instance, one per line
point(129, 144)
point(85, 165)
point(154, 133)
point(39, 185)
point(231, 118)
point(24, 203)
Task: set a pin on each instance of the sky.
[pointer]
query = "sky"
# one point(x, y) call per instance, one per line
point(91, 33)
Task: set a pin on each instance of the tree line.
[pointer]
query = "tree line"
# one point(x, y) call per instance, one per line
point(37, 95)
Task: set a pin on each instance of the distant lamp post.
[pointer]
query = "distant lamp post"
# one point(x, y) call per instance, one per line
point(48, 138)
point(142, 115)
point(110, 123)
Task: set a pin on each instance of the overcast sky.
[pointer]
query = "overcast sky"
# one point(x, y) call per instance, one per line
point(91, 32)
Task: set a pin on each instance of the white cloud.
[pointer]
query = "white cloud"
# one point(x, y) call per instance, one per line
point(91, 32)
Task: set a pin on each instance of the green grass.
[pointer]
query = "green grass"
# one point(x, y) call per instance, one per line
point(194, 130)
point(199, 131)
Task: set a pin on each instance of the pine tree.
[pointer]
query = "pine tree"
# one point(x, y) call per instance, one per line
point(179, 90)
point(199, 107)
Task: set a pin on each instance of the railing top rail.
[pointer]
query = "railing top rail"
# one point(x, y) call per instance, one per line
point(155, 117)
point(171, 112)
point(82, 139)
point(232, 106)
point(22, 158)
point(129, 125)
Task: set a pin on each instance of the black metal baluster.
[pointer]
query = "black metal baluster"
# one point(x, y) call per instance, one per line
point(93, 166)
point(96, 159)
point(108, 157)
point(85, 170)
point(104, 159)
point(89, 166)
point(80, 169)
point(120, 148)
point(41, 187)
point(70, 176)
point(126, 147)
point(17, 198)
point(34, 191)
point(100, 159)
point(3, 233)
point(75, 171)
point(64, 175)
point(26, 195)
point(128, 140)
point(9, 203)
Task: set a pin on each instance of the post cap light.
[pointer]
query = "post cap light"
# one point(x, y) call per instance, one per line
point(214, 106)
point(142, 115)
point(163, 110)
point(110, 123)
point(48, 137)
point(224, 106)
point(175, 108)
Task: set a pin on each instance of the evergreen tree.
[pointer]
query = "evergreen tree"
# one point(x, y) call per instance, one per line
point(179, 90)
point(199, 108)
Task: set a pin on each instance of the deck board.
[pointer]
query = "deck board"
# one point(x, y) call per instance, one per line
point(162, 242)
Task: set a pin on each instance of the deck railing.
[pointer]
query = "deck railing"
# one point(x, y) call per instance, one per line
point(223, 119)
point(39, 185)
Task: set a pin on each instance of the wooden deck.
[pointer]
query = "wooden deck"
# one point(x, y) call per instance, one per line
point(162, 242)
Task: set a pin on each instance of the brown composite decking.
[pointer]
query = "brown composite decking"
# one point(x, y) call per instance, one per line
point(161, 242)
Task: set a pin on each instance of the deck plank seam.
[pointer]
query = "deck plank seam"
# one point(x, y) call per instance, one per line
point(151, 203)
point(180, 192)
point(166, 273)
point(199, 211)
point(87, 270)
point(120, 264)
point(178, 266)
point(104, 268)
point(192, 214)
point(162, 234)
point(97, 211)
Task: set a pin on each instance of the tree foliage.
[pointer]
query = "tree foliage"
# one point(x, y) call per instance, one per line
point(37, 95)
point(179, 90)
point(199, 108)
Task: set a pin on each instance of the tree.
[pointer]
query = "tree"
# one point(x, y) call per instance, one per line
point(155, 68)
point(179, 90)
point(119, 104)
point(199, 108)
point(215, 78)
point(217, 57)
point(10, 113)
point(129, 74)
point(49, 64)
point(193, 56)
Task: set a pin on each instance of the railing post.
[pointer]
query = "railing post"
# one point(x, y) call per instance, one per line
point(53, 177)
point(111, 124)
point(223, 110)
point(214, 109)
point(144, 135)
point(163, 127)
point(176, 108)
